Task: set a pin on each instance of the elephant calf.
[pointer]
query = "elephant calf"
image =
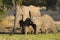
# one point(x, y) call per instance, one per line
point(48, 24)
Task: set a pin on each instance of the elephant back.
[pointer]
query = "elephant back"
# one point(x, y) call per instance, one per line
point(34, 11)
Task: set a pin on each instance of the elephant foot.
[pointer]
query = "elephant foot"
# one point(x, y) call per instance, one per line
point(36, 32)
point(13, 31)
point(26, 30)
point(55, 31)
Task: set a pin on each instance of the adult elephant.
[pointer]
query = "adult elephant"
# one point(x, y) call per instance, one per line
point(22, 14)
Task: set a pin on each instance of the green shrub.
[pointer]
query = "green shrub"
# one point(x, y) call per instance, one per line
point(58, 3)
point(2, 14)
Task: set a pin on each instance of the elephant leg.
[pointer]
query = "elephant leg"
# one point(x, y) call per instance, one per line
point(13, 31)
point(37, 30)
point(26, 29)
point(22, 30)
point(22, 26)
point(47, 31)
point(32, 31)
point(43, 30)
point(34, 28)
point(54, 30)
point(16, 22)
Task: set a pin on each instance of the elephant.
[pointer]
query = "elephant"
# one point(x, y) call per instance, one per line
point(48, 24)
point(38, 22)
point(22, 13)
point(28, 13)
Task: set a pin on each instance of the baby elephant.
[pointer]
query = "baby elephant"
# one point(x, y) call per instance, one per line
point(48, 24)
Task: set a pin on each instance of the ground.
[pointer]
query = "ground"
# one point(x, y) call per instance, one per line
point(30, 37)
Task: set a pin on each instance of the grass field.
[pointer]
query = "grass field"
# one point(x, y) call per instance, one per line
point(30, 37)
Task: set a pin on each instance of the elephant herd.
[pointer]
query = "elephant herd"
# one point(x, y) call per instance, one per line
point(30, 20)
